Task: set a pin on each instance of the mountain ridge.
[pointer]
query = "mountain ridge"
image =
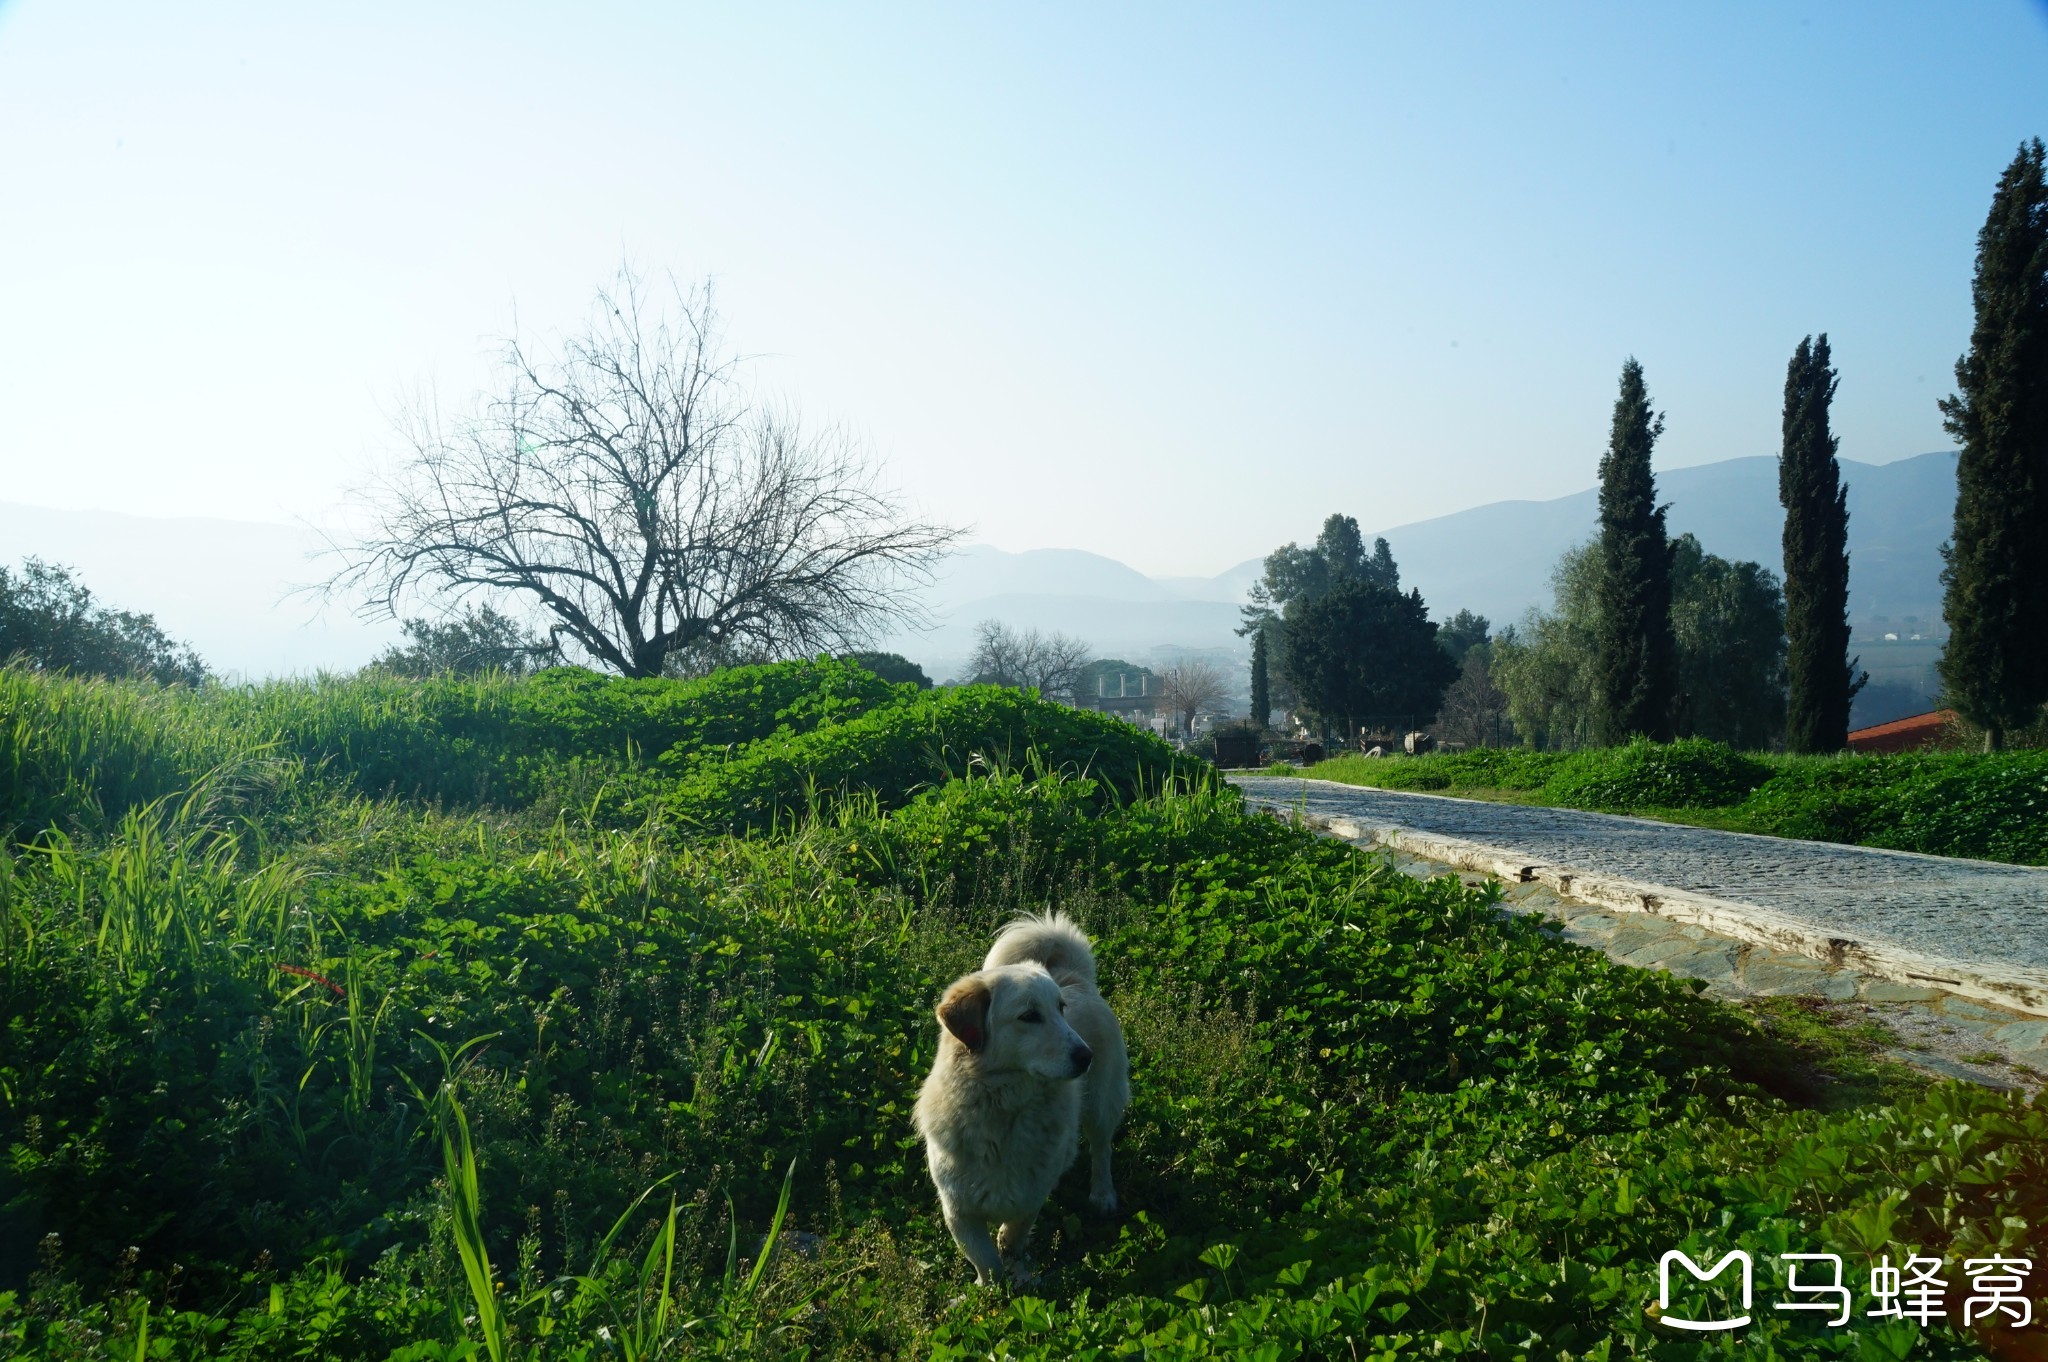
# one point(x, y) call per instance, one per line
point(222, 584)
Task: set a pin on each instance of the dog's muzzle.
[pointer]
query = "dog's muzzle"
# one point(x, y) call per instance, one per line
point(1080, 1057)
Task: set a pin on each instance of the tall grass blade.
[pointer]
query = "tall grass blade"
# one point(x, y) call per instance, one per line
point(466, 1215)
point(774, 1231)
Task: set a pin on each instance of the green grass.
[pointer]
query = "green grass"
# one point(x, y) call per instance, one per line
point(344, 1062)
point(1989, 807)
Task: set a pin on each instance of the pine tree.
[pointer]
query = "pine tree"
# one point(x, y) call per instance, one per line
point(1821, 679)
point(1995, 668)
point(1262, 695)
point(1635, 670)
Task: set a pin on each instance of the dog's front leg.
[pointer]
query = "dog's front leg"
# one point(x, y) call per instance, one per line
point(1101, 1189)
point(973, 1238)
point(1015, 1243)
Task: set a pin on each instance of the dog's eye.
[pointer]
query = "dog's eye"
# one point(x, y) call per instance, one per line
point(1034, 1015)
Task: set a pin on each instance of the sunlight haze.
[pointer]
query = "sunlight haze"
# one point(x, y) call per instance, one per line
point(1166, 283)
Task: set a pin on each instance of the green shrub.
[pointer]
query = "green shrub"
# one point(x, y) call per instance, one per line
point(891, 753)
point(1479, 768)
point(498, 740)
point(1991, 806)
point(79, 753)
point(1689, 773)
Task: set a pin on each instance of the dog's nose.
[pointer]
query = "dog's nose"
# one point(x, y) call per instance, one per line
point(1081, 1057)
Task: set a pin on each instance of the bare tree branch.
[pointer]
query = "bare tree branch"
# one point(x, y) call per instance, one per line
point(1190, 687)
point(626, 487)
point(1050, 662)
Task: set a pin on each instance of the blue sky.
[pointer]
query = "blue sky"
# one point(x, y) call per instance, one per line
point(1170, 282)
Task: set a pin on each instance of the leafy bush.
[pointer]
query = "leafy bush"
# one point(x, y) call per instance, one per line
point(1689, 773)
point(891, 753)
point(1484, 768)
point(51, 621)
point(477, 640)
point(1991, 806)
point(82, 752)
point(499, 741)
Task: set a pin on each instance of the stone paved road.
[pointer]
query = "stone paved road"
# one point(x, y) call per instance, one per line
point(1970, 910)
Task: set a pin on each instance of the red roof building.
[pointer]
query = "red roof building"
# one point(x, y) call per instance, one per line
point(1904, 735)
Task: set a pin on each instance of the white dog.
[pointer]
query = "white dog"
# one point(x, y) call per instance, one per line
point(1030, 1057)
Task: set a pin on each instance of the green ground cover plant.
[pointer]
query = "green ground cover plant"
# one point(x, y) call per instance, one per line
point(1989, 806)
point(76, 752)
point(294, 1063)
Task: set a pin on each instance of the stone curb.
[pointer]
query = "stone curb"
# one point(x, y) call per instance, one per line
point(2014, 987)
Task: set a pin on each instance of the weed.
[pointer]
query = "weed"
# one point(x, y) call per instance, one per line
point(1370, 1115)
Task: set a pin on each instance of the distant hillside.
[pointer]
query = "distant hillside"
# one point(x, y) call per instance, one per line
point(223, 584)
point(1495, 559)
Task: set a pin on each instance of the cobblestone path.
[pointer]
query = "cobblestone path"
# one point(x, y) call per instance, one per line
point(1976, 910)
point(1951, 954)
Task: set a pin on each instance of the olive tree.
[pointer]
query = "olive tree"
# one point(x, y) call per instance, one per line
point(475, 641)
point(626, 487)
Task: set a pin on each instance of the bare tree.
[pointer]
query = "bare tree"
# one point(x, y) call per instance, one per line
point(1056, 669)
point(1192, 686)
point(627, 487)
point(998, 655)
point(1051, 662)
point(1474, 708)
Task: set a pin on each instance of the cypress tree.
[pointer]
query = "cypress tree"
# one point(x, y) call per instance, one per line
point(1820, 678)
point(1995, 668)
point(1380, 569)
point(1634, 671)
point(1262, 695)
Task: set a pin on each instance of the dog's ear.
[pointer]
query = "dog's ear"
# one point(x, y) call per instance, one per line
point(964, 1011)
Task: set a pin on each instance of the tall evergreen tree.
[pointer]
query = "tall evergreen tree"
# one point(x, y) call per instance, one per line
point(1820, 677)
point(1380, 569)
point(1362, 651)
point(1635, 672)
point(1341, 548)
point(1295, 576)
point(1262, 692)
point(1995, 668)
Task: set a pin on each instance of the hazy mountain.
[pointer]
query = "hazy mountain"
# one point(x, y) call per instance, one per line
point(980, 572)
point(1496, 559)
point(222, 585)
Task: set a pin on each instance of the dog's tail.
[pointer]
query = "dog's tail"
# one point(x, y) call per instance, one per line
point(1054, 940)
